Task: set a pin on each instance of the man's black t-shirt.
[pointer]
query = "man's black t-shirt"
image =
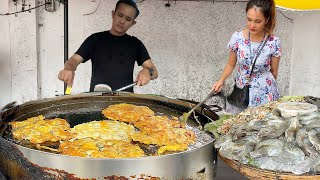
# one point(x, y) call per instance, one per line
point(113, 58)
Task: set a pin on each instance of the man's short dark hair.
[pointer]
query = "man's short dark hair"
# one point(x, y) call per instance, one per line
point(131, 3)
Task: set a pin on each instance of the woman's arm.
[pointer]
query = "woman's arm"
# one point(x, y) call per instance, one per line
point(226, 72)
point(274, 66)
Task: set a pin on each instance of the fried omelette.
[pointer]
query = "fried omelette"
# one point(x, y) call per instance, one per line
point(37, 130)
point(126, 112)
point(21, 124)
point(157, 123)
point(98, 148)
point(106, 130)
point(173, 136)
point(165, 132)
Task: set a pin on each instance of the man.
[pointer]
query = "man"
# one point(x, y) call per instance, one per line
point(113, 53)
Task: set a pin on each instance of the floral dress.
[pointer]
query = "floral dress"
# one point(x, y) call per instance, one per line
point(263, 87)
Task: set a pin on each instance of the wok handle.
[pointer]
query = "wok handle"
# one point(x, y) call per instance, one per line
point(7, 110)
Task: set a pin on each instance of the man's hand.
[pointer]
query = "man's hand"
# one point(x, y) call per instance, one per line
point(149, 72)
point(143, 77)
point(67, 76)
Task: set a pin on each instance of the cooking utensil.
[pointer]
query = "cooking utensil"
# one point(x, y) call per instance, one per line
point(185, 116)
point(68, 90)
point(102, 88)
point(126, 87)
point(108, 89)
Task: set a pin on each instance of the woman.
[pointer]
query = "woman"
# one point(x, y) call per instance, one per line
point(244, 46)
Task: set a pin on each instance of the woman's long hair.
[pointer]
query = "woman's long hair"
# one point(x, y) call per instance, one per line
point(268, 8)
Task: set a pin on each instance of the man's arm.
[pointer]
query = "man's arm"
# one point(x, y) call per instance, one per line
point(70, 66)
point(149, 72)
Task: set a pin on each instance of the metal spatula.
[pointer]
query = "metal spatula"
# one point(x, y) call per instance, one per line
point(185, 116)
point(108, 89)
point(126, 87)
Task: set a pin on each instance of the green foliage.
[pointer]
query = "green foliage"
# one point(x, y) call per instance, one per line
point(212, 127)
point(252, 162)
point(292, 98)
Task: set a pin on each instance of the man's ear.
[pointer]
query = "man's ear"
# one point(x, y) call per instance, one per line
point(134, 22)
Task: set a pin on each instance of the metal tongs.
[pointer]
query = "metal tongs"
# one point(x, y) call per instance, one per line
point(185, 116)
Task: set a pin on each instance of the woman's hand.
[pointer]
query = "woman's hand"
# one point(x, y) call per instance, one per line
point(217, 87)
